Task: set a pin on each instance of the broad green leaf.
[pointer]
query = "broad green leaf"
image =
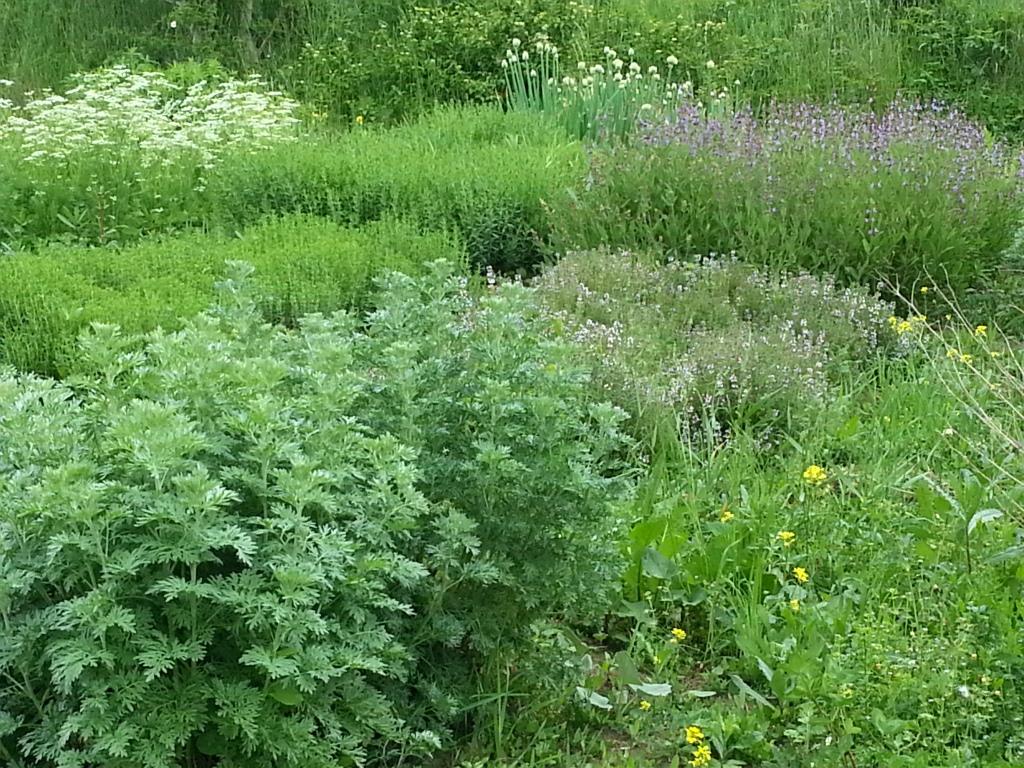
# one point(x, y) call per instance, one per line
point(285, 693)
point(626, 668)
point(593, 698)
point(657, 566)
point(849, 428)
point(983, 516)
point(653, 689)
point(746, 690)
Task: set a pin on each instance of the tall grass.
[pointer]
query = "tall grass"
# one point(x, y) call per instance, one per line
point(44, 41)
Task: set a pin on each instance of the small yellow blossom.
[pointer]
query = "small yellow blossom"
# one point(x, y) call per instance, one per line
point(701, 756)
point(925, 289)
point(678, 635)
point(794, 605)
point(359, 119)
point(965, 358)
point(910, 325)
point(994, 355)
point(801, 574)
point(645, 705)
point(786, 537)
point(694, 735)
point(726, 515)
point(981, 331)
point(952, 354)
point(815, 475)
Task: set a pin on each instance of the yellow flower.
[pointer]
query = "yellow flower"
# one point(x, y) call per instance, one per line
point(786, 537)
point(925, 289)
point(952, 354)
point(995, 354)
point(981, 331)
point(701, 756)
point(694, 735)
point(726, 515)
point(965, 358)
point(801, 574)
point(815, 475)
point(645, 705)
point(794, 605)
point(910, 325)
point(678, 635)
point(359, 120)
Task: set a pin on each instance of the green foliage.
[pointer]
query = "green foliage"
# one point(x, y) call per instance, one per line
point(895, 651)
point(304, 265)
point(969, 53)
point(270, 547)
point(481, 173)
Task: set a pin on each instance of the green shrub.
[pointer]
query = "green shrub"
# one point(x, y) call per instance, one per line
point(256, 546)
point(716, 344)
point(479, 172)
point(305, 265)
point(913, 193)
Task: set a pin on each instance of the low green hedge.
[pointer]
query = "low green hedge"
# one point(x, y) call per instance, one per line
point(303, 265)
point(479, 172)
point(482, 173)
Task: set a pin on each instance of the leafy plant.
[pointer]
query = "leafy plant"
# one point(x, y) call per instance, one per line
point(485, 175)
point(273, 547)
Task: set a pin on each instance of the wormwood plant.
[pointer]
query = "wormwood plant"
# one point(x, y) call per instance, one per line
point(252, 546)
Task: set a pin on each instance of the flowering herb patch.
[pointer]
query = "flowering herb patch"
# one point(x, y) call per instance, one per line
point(914, 190)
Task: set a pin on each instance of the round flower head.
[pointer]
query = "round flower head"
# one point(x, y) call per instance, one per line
point(815, 475)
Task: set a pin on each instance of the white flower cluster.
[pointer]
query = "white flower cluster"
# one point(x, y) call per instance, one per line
point(118, 112)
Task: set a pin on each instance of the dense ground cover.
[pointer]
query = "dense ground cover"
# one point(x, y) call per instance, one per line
point(667, 413)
